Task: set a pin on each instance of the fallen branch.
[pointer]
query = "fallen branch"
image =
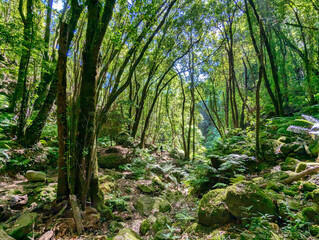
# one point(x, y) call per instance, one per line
point(296, 177)
point(76, 214)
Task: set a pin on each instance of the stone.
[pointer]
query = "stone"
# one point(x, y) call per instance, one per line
point(35, 176)
point(23, 226)
point(115, 226)
point(161, 223)
point(145, 188)
point(17, 202)
point(289, 164)
point(315, 196)
point(4, 235)
point(301, 167)
point(213, 210)
point(314, 230)
point(144, 205)
point(126, 234)
point(145, 227)
point(308, 186)
point(113, 157)
point(246, 199)
point(310, 214)
point(164, 206)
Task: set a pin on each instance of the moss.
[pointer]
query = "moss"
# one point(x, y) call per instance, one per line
point(146, 188)
point(246, 199)
point(289, 164)
point(197, 228)
point(212, 208)
point(277, 187)
point(115, 226)
point(23, 225)
point(301, 167)
point(309, 186)
point(161, 223)
point(127, 234)
point(145, 227)
point(310, 214)
point(314, 230)
point(290, 193)
point(165, 206)
point(315, 196)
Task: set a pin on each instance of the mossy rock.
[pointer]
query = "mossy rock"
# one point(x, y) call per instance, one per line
point(35, 176)
point(275, 186)
point(145, 188)
point(314, 148)
point(289, 148)
point(161, 223)
point(115, 226)
point(246, 199)
point(308, 186)
point(112, 160)
point(290, 193)
point(4, 235)
point(127, 234)
point(144, 205)
point(23, 226)
point(314, 230)
point(301, 167)
point(310, 214)
point(213, 210)
point(145, 227)
point(289, 164)
point(165, 206)
point(315, 196)
point(197, 228)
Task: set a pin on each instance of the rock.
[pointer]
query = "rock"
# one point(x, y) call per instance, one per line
point(289, 164)
point(18, 202)
point(35, 176)
point(145, 227)
point(315, 196)
point(246, 199)
point(308, 186)
point(301, 167)
point(314, 230)
point(164, 206)
point(4, 235)
point(213, 210)
point(144, 205)
point(126, 234)
point(161, 223)
point(113, 157)
point(289, 147)
point(124, 139)
point(270, 151)
point(23, 226)
point(116, 226)
point(145, 188)
point(310, 214)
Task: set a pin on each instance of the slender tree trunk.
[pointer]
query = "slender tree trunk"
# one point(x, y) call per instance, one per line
point(47, 66)
point(20, 89)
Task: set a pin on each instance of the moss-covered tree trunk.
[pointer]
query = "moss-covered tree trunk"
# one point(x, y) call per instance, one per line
point(86, 163)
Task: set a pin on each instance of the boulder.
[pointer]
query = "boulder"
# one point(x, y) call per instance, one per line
point(301, 167)
point(145, 188)
point(23, 226)
point(246, 199)
point(144, 205)
point(308, 187)
point(315, 196)
point(145, 227)
point(35, 176)
point(310, 214)
point(113, 157)
point(125, 140)
point(4, 235)
point(289, 164)
point(126, 234)
point(161, 223)
point(213, 210)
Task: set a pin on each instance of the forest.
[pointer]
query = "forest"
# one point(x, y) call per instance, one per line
point(159, 120)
